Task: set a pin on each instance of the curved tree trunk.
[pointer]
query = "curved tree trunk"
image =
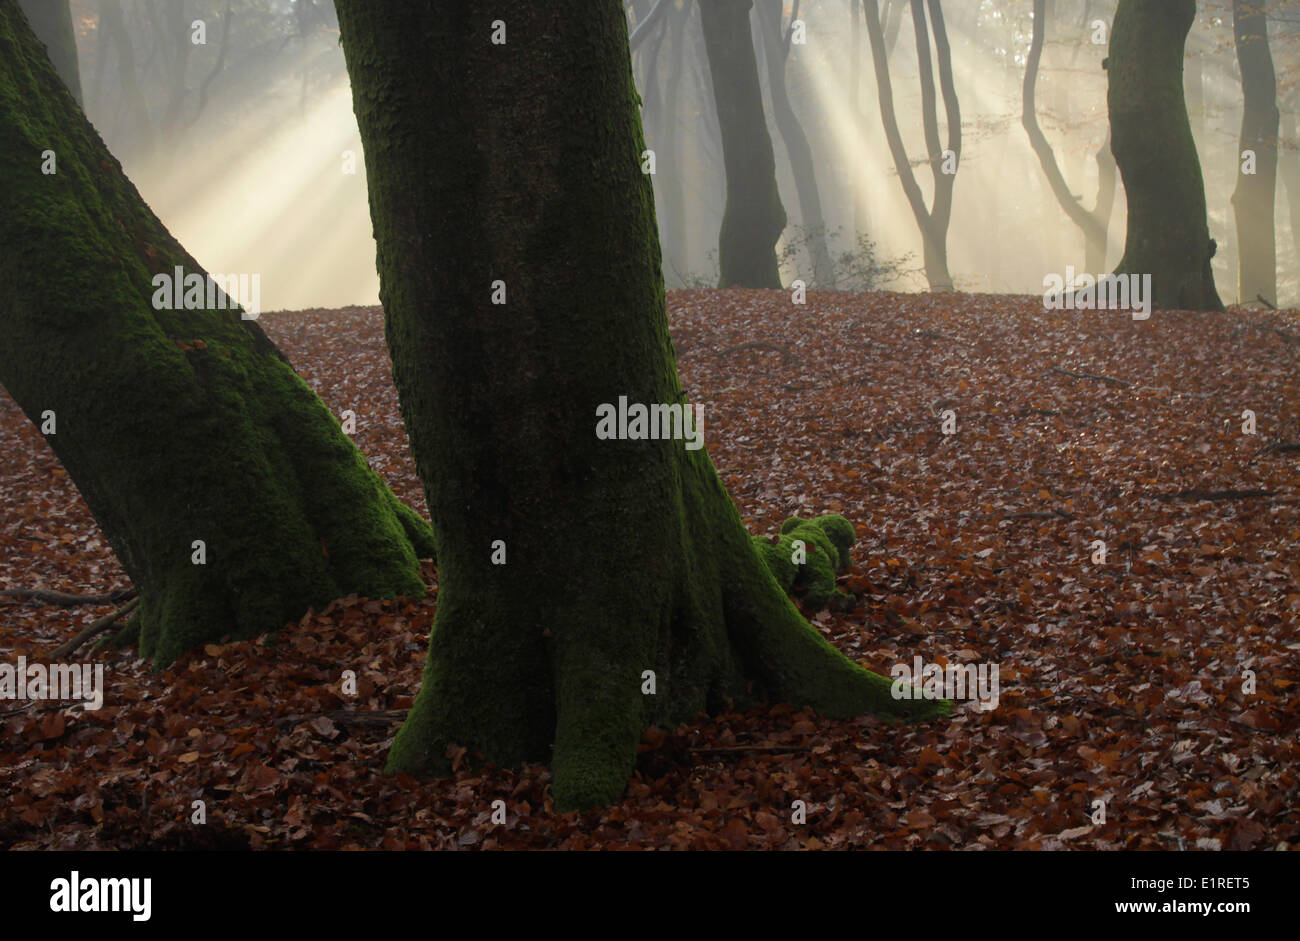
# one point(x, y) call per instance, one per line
point(1168, 235)
point(754, 218)
point(933, 223)
point(1253, 199)
point(622, 556)
point(1094, 233)
point(775, 52)
point(51, 21)
point(176, 425)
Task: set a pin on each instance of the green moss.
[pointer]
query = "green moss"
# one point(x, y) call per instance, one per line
point(169, 439)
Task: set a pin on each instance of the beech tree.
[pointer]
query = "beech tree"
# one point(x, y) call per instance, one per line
point(228, 490)
point(776, 54)
point(587, 588)
point(932, 221)
point(1253, 199)
point(1094, 223)
point(1168, 233)
point(754, 217)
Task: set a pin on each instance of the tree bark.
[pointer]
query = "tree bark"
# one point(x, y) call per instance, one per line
point(796, 144)
point(754, 217)
point(622, 555)
point(1094, 233)
point(51, 21)
point(1253, 199)
point(933, 223)
point(1151, 137)
point(176, 425)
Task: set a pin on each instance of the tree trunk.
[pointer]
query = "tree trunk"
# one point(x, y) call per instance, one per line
point(1252, 201)
point(1289, 167)
point(933, 224)
point(1103, 208)
point(176, 425)
point(622, 556)
point(754, 218)
point(1093, 232)
point(1168, 235)
point(674, 187)
point(796, 144)
point(51, 21)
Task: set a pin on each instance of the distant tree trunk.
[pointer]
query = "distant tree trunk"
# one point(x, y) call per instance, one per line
point(674, 186)
point(796, 143)
point(933, 223)
point(1168, 235)
point(1103, 206)
point(545, 656)
point(754, 217)
point(1289, 165)
point(177, 426)
point(1094, 232)
point(51, 21)
point(1253, 199)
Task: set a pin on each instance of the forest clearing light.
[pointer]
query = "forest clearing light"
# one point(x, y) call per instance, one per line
point(278, 203)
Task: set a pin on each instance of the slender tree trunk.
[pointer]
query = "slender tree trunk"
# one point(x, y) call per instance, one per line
point(1094, 233)
point(796, 143)
point(622, 556)
point(51, 21)
point(933, 223)
point(1103, 208)
point(1168, 235)
point(176, 425)
point(754, 218)
point(673, 186)
point(1289, 167)
point(1253, 199)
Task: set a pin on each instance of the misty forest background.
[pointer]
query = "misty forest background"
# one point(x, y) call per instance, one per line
point(978, 445)
point(236, 144)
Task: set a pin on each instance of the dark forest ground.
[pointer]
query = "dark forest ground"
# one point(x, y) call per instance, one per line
point(1119, 682)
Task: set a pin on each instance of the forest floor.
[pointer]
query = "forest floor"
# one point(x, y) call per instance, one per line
point(1160, 682)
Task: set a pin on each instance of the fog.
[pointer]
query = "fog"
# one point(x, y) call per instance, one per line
point(251, 155)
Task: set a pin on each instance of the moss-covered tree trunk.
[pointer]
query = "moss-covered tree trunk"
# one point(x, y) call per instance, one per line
point(1253, 199)
point(568, 565)
point(1168, 235)
point(51, 20)
point(754, 217)
point(178, 426)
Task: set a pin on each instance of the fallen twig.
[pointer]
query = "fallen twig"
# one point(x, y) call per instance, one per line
point(724, 749)
point(376, 717)
point(1111, 380)
point(95, 627)
point(115, 596)
point(786, 356)
point(1215, 494)
point(1054, 514)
